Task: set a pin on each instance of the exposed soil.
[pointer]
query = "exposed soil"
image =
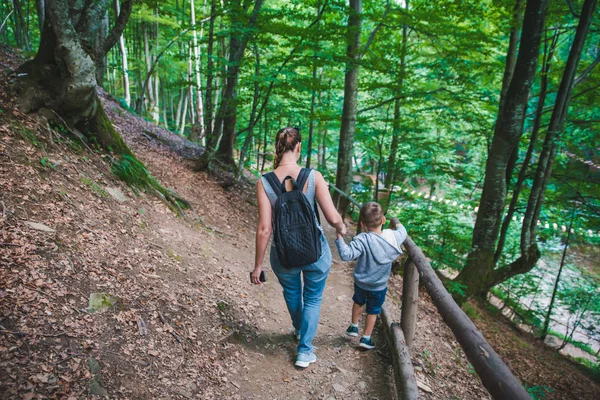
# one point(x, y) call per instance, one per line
point(188, 324)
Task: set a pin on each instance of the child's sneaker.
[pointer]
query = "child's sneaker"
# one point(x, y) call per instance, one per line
point(305, 359)
point(366, 343)
point(352, 331)
point(297, 335)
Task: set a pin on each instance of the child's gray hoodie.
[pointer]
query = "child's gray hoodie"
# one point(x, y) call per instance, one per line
point(374, 256)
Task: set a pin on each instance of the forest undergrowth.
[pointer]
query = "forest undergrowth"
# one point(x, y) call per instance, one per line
point(181, 320)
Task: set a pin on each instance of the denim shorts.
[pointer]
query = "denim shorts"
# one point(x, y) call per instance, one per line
point(373, 299)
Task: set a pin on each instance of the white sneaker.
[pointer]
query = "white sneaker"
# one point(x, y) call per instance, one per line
point(304, 360)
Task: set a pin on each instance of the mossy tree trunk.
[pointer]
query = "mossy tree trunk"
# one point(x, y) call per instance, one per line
point(62, 78)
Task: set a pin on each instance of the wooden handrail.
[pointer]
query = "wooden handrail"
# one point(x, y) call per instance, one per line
point(347, 196)
point(493, 372)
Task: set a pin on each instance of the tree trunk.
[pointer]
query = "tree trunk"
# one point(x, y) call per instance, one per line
point(40, 6)
point(150, 87)
point(199, 107)
point(21, 23)
point(101, 62)
point(311, 125)
point(183, 113)
point(62, 77)
point(534, 133)
point(391, 164)
point(123, 49)
point(343, 178)
point(479, 274)
point(324, 151)
point(559, 115)
point(191, 93)
point(209, 105)
point(228, 108)
point(250, 134)
point(390, 177)
point(557, 280)
point(179, 110)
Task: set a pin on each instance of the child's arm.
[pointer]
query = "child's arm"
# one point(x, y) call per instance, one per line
point(401, 233)
point(348, 252)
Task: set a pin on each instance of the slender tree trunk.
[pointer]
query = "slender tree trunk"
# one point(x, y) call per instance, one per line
point(156, 113)
point(265, 140)
point(194, 136)
point(149, 103)
point(511, 59)
point(559, 115)
point(255, 99)
point(199, 106)
point(324, 152)
point(311, 125)
point(208, 114)
point(101, 62)
point(344, 165)
point(534, 134)
point(123, 49)
point(557, 280)
point(179, 110)
point(480, 274)
point(40, 6)
point(21, 23)
point(391, 164)
point(183, 113)
point(228, 108)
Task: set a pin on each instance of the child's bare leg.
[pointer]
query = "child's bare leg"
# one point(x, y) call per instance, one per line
point(369, 324)
point(356, 311)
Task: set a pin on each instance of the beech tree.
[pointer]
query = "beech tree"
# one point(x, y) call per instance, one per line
point(481, 271)
point(62, 78)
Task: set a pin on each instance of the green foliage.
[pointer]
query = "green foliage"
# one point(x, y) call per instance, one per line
point(538, 392)
point(45, 161)
point(133, 172)
point(28, 135)
point(592, 368)
point(471, 312)
point(100, 192)
point(455, 288)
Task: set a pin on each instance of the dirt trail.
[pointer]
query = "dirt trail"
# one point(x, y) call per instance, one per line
point(343, 370)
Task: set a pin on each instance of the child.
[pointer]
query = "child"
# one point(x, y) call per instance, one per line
point(374, 249)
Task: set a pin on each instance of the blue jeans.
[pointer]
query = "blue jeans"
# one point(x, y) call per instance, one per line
point(304, 301)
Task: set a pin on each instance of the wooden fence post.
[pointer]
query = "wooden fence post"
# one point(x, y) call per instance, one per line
point(410, 298)
point(404, 374)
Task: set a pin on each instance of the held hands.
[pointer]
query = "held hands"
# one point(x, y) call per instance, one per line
point(341, 230)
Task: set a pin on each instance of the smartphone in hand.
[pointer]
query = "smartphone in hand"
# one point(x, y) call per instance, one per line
point(262, 277)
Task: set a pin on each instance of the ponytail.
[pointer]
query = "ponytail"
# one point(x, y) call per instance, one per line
point(286, 140)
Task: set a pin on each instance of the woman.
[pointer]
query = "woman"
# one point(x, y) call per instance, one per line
point(303, 294)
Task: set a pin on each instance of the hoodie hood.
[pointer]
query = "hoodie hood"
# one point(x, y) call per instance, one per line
point(381, 250)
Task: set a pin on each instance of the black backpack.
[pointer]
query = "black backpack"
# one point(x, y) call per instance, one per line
point(296, 234)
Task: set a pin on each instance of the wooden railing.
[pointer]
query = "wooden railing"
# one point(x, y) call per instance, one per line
point(495, 375)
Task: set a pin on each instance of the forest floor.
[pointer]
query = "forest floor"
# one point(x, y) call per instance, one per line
point(185, 322)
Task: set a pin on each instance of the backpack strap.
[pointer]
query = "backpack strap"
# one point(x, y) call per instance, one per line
point(274, 182)
point(301, 181)
point(302, 178)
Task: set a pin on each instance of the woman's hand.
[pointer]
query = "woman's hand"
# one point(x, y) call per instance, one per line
point(341, 229)
point(256, 276)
